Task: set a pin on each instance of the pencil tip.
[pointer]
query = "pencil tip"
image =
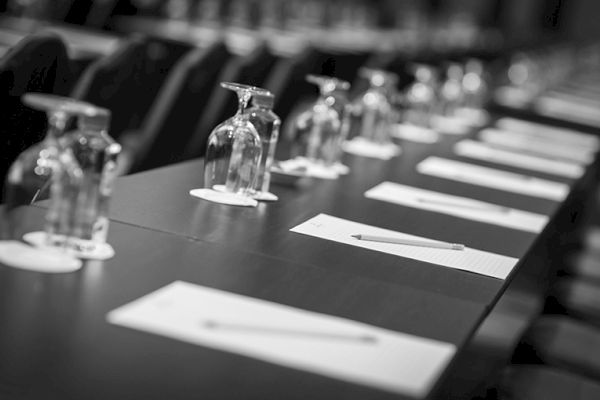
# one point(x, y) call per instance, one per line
point(356, 236)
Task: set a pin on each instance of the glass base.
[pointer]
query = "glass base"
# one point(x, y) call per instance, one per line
point(265, 196)
point(80, 248)
point(222, 197)
point(450, 125)
point(415, 133)
point(49, 260)
point(360, 146)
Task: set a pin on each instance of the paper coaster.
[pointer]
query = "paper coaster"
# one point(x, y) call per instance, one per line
point(473, 116)
point(366, 148)
point(229, 199)
point(265, 196)
point(85, 249)
point(341, 169)
point(450, 125)
point(312, 169)
point(512, 97)
point(415, 133)
point(19, 255)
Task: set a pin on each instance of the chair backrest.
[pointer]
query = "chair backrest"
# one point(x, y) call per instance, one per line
point(178, 106)
point(127, 81)
point(38, 63)
point(251, 69)
point(287, 80)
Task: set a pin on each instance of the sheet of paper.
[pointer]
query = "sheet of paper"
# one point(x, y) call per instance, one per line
point(341, 230)
point(462, 207)
point(583, 113)
point(541, 147)
point(493, 178)
point(482, 151)
point(548, 132)
point(322, 344)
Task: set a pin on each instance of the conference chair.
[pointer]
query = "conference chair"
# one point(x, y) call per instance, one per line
point(127, 81)
point(38, 63)
point(538, 382)
point(566, 343)
point(168, 128)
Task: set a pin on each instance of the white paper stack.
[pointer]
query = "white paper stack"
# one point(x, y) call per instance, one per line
point(493, 178)
point(565, 136)
point(458, 206)
point(341, 230)
point(559, 106)
point(322, 344)
point(485, 152)
point(537, 145)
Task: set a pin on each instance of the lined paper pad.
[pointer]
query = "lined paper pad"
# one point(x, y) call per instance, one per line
point(547, 132)
point(322, 344)
point(567, 109)
point(493, 178)
point(481, 151)
point(457, 206)
point(538, 146)
point(340, 230)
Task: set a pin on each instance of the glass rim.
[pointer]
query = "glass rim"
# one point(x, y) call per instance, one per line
point(325, 79)
point(53, 103)
point(237, 87)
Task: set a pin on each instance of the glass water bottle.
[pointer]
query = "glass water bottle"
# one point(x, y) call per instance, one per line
point(97, 154)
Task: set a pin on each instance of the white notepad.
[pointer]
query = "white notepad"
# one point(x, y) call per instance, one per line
point(457, 206)
point(548, 132)
point(493, 178)
point(341, 230)
point(482, 151)
point(579, 112)
point(537, 146)
point(322, 344)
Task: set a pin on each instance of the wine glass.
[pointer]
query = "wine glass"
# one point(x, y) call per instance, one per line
point(267, 125)
point(421, 96)
point(233, 153)
point(372, 113)
point(317, 131)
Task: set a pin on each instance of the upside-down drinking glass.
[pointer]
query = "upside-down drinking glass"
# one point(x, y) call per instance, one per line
point(373, 113)
point(317, 132)
point(234, 150)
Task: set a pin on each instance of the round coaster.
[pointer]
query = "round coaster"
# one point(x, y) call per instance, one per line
point(265, 196)
point(80, 248)
point(19, 255)
point(473, 116)
point(450, 125)
point(341, 169)
point(366, 148)
point(415, 133)
point(229, 199)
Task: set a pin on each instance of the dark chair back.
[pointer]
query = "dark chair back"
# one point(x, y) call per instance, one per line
point(177, 109)
point(39, 63)
point(251, 69)
point(287, 81)
point(127, 81)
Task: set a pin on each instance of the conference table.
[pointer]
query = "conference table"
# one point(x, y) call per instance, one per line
point(56, 341)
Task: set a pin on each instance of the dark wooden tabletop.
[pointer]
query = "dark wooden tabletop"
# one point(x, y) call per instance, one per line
point(55, 342)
